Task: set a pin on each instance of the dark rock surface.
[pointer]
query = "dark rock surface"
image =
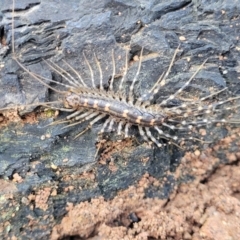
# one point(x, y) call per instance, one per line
point(47, 156)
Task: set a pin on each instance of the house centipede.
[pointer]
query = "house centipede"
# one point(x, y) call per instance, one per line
point(120, 109)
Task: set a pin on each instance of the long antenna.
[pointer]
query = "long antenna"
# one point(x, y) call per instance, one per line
point(13, 13)
point(20, 64)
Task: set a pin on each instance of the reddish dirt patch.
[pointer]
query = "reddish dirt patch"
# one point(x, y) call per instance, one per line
point(207, 208)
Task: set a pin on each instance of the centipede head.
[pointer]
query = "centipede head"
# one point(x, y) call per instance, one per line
point(71, 100)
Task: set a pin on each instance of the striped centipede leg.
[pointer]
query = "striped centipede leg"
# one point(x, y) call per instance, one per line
point(40, 79)
point(98, 118)
point(168, 137)
point(100, 72)
point(94, 114)
point(77, 118)
point(226, 101)
point(77, 74)
point(145, 99)
point(90, 69)
point(160, 82)
point(76, 113)
point(165, 135)
point(119, 129)
point(68, 77)
point(113, 73)
point(68, 118)
point(173, 127)
point(85, 114)
point(63, 109)
point(126, 130)
point(209, 121)
point(105, 125)
point(110, 127)
point(124, 74)
point(153, 139)
point(164, 102)
point(83, 119)
point(130, 94)
point(142, 133)
point(211, 106)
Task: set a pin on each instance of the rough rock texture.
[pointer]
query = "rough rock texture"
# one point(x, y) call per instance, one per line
point(134, 191)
